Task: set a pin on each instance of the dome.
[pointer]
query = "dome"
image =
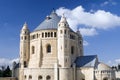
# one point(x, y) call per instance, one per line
point(51, 22)
point(102, 66)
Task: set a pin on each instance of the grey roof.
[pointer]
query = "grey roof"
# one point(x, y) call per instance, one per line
point(86, 61)
point(51, 22)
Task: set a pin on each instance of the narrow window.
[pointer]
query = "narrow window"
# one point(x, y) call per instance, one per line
point(45, 34)
point(65, 32)
point(51, 34)
point(25, 64)
point(48, 34)
point(72, 49)
point(25, 37)
point(33, 49)
point(42, 34)
point(37, 35)
point(25, 77)
point(30, 77)
point(55, 34)
point(48, 48)
point(60, 31)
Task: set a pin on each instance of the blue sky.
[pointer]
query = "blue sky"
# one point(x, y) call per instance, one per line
point(101, 37)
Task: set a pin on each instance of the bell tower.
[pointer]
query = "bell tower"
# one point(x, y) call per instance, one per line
point(80, 44)
point(24, 46)
point(64, 59)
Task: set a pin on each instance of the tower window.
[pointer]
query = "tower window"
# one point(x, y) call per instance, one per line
point(25, 37)
point(48, 34)
point(65, 32)
point(42, 34)
point(40, 77)
point(30, 77)
point(48, 48)
point(45, 34)
point(37, 35)
point(25, 64)
point(25, 76)
point(55, 34)
point(72, 49)
point(60, 31)
point(51, 34)
point(48, 78)
point(33, 49)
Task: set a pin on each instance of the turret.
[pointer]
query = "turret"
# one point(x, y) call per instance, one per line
point(24, 46)
point(80, 43)
point(64, 59)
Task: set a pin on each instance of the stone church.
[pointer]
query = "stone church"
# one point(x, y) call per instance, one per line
point(53, 51)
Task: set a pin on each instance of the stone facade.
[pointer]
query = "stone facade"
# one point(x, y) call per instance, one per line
point(53, 51)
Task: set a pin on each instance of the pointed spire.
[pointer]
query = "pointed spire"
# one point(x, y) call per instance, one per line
point(63, 19)
point(53, 10)
point(25, 26)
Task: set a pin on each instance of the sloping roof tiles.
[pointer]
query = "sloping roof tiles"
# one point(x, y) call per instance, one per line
point(86, 61)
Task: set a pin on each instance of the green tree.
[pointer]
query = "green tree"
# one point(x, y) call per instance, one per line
point(7, 72)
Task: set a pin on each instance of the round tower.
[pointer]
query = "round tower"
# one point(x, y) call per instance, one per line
point(80, 44)
point(24, 46)
point(64, 58)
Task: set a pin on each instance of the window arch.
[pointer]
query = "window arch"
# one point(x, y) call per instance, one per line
point(72, 49)
point(51, 34)
point(33, 49)
point(48, 34)
point(40, 77)
point(45, 34)
point(25, 77)
point(48, 78)
point(30, 77)
point(105, 78)
point(48, 48)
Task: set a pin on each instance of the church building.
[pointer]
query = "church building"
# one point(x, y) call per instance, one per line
point(53, 51)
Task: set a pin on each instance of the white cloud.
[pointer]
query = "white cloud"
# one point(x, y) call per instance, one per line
point(88, 31)
point(99, 19)
point(117, 61)
point(114, 62)
point(108, 2)
point(6, 62)
point(85, 43)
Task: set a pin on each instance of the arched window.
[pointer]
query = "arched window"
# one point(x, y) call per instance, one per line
point(48, 48)
point(51, 34)
point(25, 64)
point(42, 34)
point(25, 77)
point(65, 31)
point(60, 31)
point(40, 77)
point(48, 78)
point(105, 78)
point(72, 49)
point(33, 49)
point(55, 35)
point(30, 77)
point(45, 34)
point(48, 34)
